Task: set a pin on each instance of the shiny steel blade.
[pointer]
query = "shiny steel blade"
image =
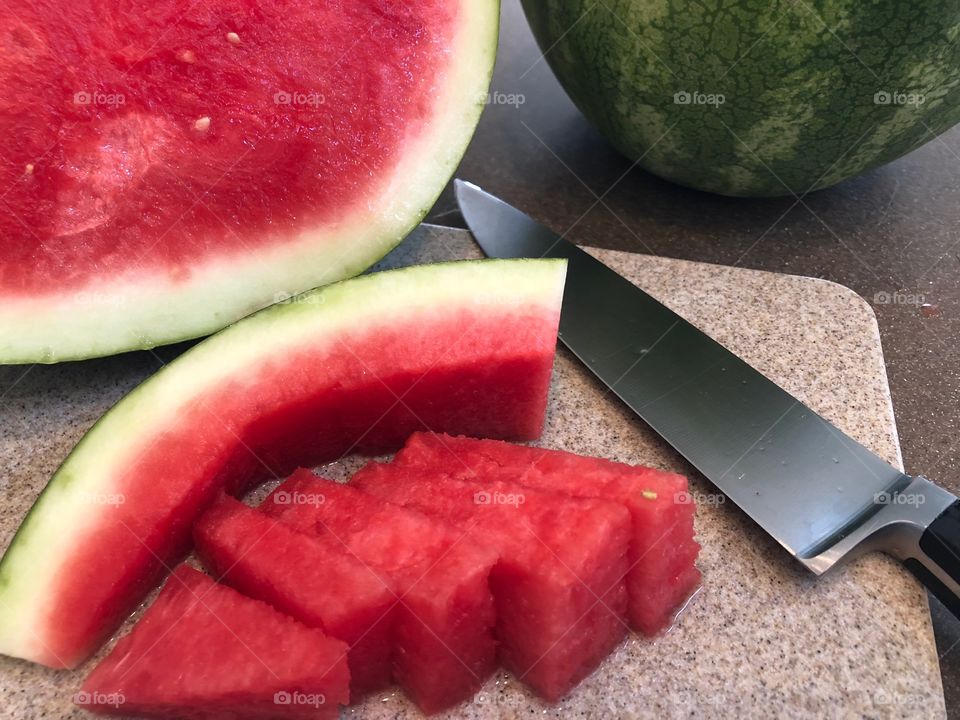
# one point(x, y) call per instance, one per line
point(799, 477)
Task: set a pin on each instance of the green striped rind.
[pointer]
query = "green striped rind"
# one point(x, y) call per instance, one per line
point(803, 83)
point(41, 549)
point(139, 311)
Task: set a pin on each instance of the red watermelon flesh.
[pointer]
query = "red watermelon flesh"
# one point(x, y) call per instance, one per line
point(662, 550)
point(314, 580)
point(559, 583)
point(156, 152)
point(444, 645)
point(204, 651)
point(111, 126)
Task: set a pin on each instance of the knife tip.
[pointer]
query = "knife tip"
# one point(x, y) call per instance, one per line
point(460, 186)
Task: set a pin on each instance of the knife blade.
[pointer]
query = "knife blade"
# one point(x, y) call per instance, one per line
point(822, 495)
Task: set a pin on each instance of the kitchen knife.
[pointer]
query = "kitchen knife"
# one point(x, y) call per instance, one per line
point(823, 496)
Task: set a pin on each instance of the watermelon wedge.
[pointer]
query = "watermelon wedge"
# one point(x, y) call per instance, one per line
point(559, 582)
point(313, 580)
point(444, 642)
point(663, 551)
point(357, 366)
point(204, 651)
point(168, 168)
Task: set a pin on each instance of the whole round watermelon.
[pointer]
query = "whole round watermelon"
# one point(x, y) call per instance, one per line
point(757, 97)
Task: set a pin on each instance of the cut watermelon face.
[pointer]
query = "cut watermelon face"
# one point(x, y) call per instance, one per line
point(168, 168)
point(204, 651)
point(353, 367)
point(313, 580)
point(444, 642)
point(559, 582)
point(663, 551)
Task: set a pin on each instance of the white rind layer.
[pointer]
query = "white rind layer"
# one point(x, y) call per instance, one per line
point(420, 294)
point(119, 314)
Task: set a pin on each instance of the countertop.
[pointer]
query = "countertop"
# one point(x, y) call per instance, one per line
point(890, 235)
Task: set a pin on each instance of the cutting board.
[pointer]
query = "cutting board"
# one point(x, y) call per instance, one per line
point(762, 638)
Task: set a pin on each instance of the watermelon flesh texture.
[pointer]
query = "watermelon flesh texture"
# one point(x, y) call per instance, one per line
point(205, 652)
point(353, 367)
point(444, 644)
point(663, 551)
point(313, 580)
point(559, 582)
point(169, 169)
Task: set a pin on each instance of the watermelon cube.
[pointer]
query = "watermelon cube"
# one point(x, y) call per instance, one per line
point(314, 580)
point(663, 551)
point(444, 648)
point(204, 651)
point(559, 583)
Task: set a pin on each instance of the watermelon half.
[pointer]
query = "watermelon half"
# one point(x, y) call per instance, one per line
point(167, 167)
point(464, 347)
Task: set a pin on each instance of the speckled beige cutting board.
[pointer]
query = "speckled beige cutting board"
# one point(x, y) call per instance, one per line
point(762, 639)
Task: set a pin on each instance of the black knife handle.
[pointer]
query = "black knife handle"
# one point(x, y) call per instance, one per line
point(940, 547)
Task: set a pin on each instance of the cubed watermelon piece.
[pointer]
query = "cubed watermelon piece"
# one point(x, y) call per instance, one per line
point(444, 645)
point(312, 579)
point(203, 651)
point(663, 551)
point(559, 583)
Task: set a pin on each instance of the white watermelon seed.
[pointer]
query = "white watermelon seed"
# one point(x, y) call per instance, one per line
point(649, 494)
point(202, 124)
point(187, 56)
point(232, 37)
point(28, 170)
